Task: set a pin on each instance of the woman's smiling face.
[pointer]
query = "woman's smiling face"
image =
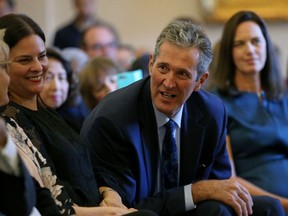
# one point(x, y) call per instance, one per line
point(28, 67)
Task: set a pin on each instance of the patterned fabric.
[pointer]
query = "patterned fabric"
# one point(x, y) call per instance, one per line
point(44, 175)
point(56, 159)
point(169, 157)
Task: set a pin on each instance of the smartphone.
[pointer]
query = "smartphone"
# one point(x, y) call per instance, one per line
point(128, 77)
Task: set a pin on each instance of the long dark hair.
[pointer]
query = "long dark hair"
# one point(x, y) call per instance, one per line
point(56, 54)
point(17, 27)
point(223, 76)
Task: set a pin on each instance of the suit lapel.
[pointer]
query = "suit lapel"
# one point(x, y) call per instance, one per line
point(192, 134)
point(149, 136)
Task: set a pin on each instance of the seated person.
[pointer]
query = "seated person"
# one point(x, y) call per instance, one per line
point(125, 56)
point(69, 35)
point(100, 39)
point(60, 164)
point(77, 59)
point(189, 174)
point(60, 91)
point(17, 187)
point(247, 78)
point(57, 80)
point(141, 62)
point(97, 79)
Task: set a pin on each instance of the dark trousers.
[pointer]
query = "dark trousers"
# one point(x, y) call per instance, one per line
point(142, 213)
point(263, 206)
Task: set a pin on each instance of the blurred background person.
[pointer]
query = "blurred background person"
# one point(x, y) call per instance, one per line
point(125, 56)
point(142, 63)
point(60, 91)
point(100, 39)
point(77, 59)
point(69, 35)
point(57, 80)
point(7, 7)
point(248, 79)
point(97, 79)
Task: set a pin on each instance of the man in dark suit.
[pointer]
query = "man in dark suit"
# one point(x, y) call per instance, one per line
point(125, 135)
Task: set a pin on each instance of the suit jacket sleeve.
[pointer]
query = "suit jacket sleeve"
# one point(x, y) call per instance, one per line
point(116, 163)
point(17, 193)
point(123, 146)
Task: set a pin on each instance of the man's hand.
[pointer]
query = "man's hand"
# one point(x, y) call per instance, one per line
point(111, 198)
point(227, 191)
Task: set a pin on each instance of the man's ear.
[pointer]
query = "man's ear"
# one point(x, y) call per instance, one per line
point(201, 81)
point(150, 63)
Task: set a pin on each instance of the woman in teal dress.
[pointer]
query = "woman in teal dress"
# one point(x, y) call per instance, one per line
point(248, 80)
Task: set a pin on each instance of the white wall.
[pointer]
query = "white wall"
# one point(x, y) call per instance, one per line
point(138, 22)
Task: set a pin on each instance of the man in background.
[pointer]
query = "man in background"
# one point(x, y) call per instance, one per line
point(128, 138)
point(6, 7)
point(100, 39)
point(69, 35)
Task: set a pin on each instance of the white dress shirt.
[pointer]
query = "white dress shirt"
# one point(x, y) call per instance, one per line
point(161, 120)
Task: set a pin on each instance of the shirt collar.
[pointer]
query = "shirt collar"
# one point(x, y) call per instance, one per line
point(162, 119)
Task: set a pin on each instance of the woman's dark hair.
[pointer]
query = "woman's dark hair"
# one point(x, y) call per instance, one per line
point(223, 76)
point(56, 54)
point(19, 26)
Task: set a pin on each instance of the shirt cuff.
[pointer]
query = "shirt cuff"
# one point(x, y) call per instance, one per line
point(189, 202)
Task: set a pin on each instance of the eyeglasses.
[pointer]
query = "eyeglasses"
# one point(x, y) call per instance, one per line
point(110, 45)
point(3, 65)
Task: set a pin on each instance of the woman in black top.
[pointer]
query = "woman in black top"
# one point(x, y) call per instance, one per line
point(50, 148)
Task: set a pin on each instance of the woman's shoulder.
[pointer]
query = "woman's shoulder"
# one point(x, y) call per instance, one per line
point(12, 111)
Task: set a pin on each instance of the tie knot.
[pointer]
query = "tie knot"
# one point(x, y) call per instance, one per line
point(170, 125)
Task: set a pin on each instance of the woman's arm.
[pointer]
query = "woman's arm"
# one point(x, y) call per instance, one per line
point(101, 211)
point(253, 189)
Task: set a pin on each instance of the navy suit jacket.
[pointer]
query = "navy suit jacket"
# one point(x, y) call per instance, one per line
point(17, 193)
point(121, 133)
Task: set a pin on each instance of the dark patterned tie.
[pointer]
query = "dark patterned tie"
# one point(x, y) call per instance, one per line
point(169, 161)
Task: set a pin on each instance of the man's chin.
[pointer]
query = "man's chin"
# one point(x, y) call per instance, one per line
point(167, 111)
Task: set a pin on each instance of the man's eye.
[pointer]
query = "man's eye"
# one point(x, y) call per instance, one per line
point(162, 68)
point(183, 75)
